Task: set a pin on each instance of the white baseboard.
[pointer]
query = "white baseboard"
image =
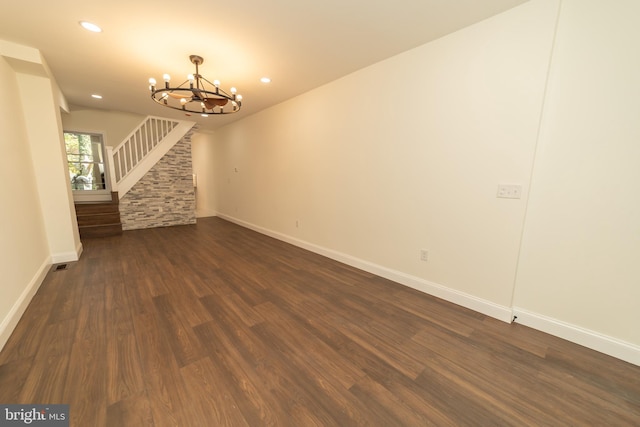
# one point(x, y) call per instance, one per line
point(576, 334)
point(460, 298)
point(17, 310)
point(67, 256)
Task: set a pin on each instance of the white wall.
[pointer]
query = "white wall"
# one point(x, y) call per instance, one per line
point(407, 154)
point(579, 270)
point(404, 155)
point(202, 155)
point(24, 252)
point(115, 126)
point(44, 132)
point(36, 215)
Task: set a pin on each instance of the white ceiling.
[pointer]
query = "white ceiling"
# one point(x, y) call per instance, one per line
point(300, 44)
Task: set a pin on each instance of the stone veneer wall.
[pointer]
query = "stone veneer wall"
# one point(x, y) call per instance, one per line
point(165, 195)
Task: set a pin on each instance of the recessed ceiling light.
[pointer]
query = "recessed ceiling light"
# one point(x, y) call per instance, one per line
point(265, 80)
point(96, 96)
point(90, 27)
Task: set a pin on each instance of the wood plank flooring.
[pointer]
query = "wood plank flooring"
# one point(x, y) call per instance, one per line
point(215, 325)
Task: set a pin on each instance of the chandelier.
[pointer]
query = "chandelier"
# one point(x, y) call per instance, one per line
point(196, 94)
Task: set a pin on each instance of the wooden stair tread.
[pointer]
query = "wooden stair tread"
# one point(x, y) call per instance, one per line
point(100, 225)
point(100, 218)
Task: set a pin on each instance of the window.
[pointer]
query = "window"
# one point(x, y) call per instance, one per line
point(85, 156)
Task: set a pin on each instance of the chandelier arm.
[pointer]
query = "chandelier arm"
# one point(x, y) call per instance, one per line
point(180, 85)
point(218, 94)
point(222, 92)
point(171, 89)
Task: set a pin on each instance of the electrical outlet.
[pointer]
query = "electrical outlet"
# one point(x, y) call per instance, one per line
point(424, 255)
point(509, 191)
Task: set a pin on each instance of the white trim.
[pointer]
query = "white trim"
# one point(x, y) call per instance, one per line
point(576, 334)
point(465, 300)
point(112, 171)
point(10, 322)
point(81, 196)
point(67, 256)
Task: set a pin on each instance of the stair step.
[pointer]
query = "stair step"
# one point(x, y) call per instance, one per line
point(102, 230)
point(99, 219)
point(96, 208)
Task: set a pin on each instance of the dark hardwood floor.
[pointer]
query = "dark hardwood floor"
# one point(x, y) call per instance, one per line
point(216, 325)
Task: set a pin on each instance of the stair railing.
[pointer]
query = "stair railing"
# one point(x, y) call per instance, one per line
point(139, 144)
point(129, 161)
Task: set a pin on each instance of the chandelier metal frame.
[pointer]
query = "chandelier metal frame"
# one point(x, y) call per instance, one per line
point(194, 96)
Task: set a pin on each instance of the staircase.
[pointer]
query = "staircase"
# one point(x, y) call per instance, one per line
point(142, 149)
point(99, 219)
point(128, 163)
